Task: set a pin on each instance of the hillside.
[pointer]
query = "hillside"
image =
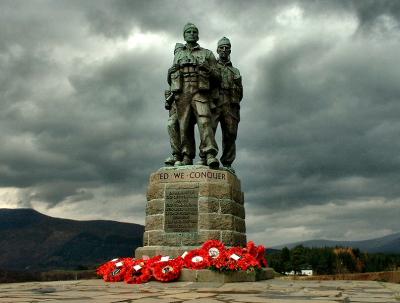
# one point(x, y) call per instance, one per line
point(30, 240)
point(387, 244)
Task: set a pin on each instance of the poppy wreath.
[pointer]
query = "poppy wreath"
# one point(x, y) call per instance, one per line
point(213, 255)
point(248, 262)
point(233, 255)
point(116, 271)
point(166, 271)
point(251, 248)
point(197, 259)
point(105, 268)
point(256, 251)
point(138, 273)
point(180, 260)
point(261, 256)
point(220, 263)
point(150, 262)
point(214, 248)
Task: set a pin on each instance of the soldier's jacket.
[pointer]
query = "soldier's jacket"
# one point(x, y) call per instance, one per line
point(231, 89)
point(195, 65)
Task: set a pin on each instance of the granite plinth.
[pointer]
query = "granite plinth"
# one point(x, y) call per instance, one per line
point(206, 275)
point(171, 251)
point(189, 205)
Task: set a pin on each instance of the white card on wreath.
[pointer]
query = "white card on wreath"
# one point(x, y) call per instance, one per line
point(164, 259)
point(235, 257)
point(137, 267)
point(197, 259)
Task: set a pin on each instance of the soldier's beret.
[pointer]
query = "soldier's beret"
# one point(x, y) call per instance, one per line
point(224, 41)
point(189, 25)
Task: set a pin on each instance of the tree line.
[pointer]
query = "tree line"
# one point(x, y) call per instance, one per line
point(330, 261)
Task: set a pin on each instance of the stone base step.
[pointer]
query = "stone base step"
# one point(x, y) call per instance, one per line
point(171, 251)
point(207, 275)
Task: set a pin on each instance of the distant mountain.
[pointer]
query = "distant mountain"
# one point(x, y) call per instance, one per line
point(387, 244)
point(30, 240)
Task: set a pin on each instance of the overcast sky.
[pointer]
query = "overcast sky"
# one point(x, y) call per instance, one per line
point(82, 121)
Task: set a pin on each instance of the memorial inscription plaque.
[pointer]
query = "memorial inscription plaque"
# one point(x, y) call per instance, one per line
point(181, 210)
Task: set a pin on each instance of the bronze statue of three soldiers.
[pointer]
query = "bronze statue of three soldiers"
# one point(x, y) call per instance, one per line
point(203, 91)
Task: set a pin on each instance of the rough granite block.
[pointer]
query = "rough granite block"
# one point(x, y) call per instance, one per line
point(240, 225)
point(154, 222)
point(155, 207)
point(155, 191)
point(205, 235)
point(208, 205)
point(155, 237)
point(172, 239)
point(215, 190)
point(237, 196)
point(207, 275)
point(232, 238)
point(216, 222)
point(190, 239)
point(265, 274)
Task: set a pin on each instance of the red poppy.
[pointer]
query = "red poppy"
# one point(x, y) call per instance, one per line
point(104, 268)
point(197, 259)
point(221, 262)
point(233, 255)
point(247, 262)
point(153, 260)
point(261, 256)
point(166, 271)
point(137, 273)
point(180, 259)
point(251, 248)
point(214, 248)
point(116, 270)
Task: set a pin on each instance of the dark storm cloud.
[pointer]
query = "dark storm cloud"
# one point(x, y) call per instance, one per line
point(38, 24)
point(325, 114)
point(101, 134)
point(86, 125)
point(214, 18)
point(369, 12)
point(117, 18)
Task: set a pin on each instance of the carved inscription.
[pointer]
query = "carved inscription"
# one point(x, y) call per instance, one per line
point(201, 175)
point(181, 213)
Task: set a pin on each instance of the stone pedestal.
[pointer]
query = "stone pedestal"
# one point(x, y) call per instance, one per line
point(189, 205)
point(206, 275)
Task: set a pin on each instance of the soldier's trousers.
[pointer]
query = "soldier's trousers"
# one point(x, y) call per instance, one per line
point(228, 116)
point(173, 132)
point(193, 107)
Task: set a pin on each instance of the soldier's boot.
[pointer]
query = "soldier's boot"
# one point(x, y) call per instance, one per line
point(229, 167)
point(212, 162)
point(170, 161)
point(186, 161)
point(202, 161)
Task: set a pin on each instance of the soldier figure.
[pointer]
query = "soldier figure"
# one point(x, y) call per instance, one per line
point(173, 123)
point(228, 102)
point(191, 76)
